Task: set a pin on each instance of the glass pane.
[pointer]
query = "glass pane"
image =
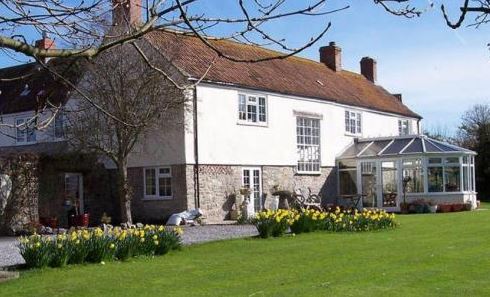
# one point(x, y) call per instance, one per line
point(390, 184)
point(412, 168)
point(262, 116)
point(375, 148)
point(256, 190)
point(164, 170)
point(435, 179)
point(348, 164)
point(150, 182)
point(368, 184)
point(165, 186)
point(452, 175)
point(396, 146)
point(452, 160)
point(242, 107)
point(466, 178)
point(415, 147)
point(348, 182)
point(435, 160)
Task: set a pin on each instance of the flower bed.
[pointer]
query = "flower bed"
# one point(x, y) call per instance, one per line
point(275, 223)
point(97, 246)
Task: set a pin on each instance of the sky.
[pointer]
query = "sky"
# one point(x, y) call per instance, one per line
point(441, 72)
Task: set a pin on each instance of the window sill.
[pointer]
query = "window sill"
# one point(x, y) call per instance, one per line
point(154, 198)
point(353, 135)
point(25, 143)
point(256, 124)
point(316, 173)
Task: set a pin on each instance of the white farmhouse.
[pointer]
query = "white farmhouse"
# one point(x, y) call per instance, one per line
point(281, 124)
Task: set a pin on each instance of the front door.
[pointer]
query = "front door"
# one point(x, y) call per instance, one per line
point(252, 179)
point(74, 191)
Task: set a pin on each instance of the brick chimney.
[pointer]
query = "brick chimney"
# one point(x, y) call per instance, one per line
point(368, 68)
point(126, 12)
point(45, 43)
point(331, 56)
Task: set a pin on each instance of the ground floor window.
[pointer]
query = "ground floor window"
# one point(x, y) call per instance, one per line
point(158, 183)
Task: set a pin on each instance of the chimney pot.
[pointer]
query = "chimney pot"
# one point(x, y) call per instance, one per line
point(368, 68)
point(126, 12)
point(331, 56)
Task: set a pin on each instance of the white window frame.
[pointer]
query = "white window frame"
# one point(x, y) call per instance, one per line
point(158, 175)
point(401, 127)
point(21, 127)
point(257, 118)
point(353, 117)
point(308, 146)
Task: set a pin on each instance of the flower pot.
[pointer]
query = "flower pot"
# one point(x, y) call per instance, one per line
point(433, 208)
point(404, 208)
point(444, 208)
point(457, 207)
point(79, 220)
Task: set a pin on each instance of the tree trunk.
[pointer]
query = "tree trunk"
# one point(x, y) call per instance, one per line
point(124, 192)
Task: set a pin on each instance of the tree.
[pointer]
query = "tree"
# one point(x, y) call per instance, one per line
point(474, 134)
point(129, 100)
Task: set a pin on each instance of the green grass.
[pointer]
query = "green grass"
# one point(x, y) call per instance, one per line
point(428, 255)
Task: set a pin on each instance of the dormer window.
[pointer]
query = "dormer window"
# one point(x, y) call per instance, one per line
point(353, 122)
point(252, 109)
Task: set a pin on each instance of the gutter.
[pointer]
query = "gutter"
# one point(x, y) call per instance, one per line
point(197, 200)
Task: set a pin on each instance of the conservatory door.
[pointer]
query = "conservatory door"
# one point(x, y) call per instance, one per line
point(369, 184)
point(252, 179)
point(389, 185)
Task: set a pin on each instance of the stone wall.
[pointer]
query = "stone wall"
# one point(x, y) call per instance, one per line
point(219, 183)
point(157, 210)
point(19, 195)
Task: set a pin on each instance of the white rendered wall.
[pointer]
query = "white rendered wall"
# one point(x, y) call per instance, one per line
point(223, 140)
point(8, 134)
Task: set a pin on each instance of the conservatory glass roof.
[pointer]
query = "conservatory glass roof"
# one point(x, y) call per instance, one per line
point(399, 146)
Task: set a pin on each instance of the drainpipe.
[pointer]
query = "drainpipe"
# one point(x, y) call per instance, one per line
point(197, 201)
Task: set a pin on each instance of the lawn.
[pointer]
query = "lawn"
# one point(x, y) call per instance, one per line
point(428, 255)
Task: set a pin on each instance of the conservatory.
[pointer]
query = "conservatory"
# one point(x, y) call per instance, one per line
point(372, 172)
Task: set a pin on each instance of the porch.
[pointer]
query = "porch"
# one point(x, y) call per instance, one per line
point(384, 172)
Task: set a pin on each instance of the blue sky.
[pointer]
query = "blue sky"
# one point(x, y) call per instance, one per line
point(441, 72)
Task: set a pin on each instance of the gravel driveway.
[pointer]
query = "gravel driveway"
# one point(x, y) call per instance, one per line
point(9, 253)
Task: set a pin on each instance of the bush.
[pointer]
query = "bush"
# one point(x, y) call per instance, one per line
point(97, 246)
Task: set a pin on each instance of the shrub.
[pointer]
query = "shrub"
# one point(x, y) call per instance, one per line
point(97, 246)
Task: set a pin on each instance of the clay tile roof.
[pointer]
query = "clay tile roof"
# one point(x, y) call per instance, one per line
point(29, 87)
point(292, 76)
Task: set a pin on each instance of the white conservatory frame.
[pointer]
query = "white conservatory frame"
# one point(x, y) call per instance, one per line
point(439, 149)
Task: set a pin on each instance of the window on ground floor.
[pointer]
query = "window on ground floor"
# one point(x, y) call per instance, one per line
point(308, 144)
point(158, 183)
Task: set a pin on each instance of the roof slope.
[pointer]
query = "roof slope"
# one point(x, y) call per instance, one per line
point(29, 86)
point(293, 76)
